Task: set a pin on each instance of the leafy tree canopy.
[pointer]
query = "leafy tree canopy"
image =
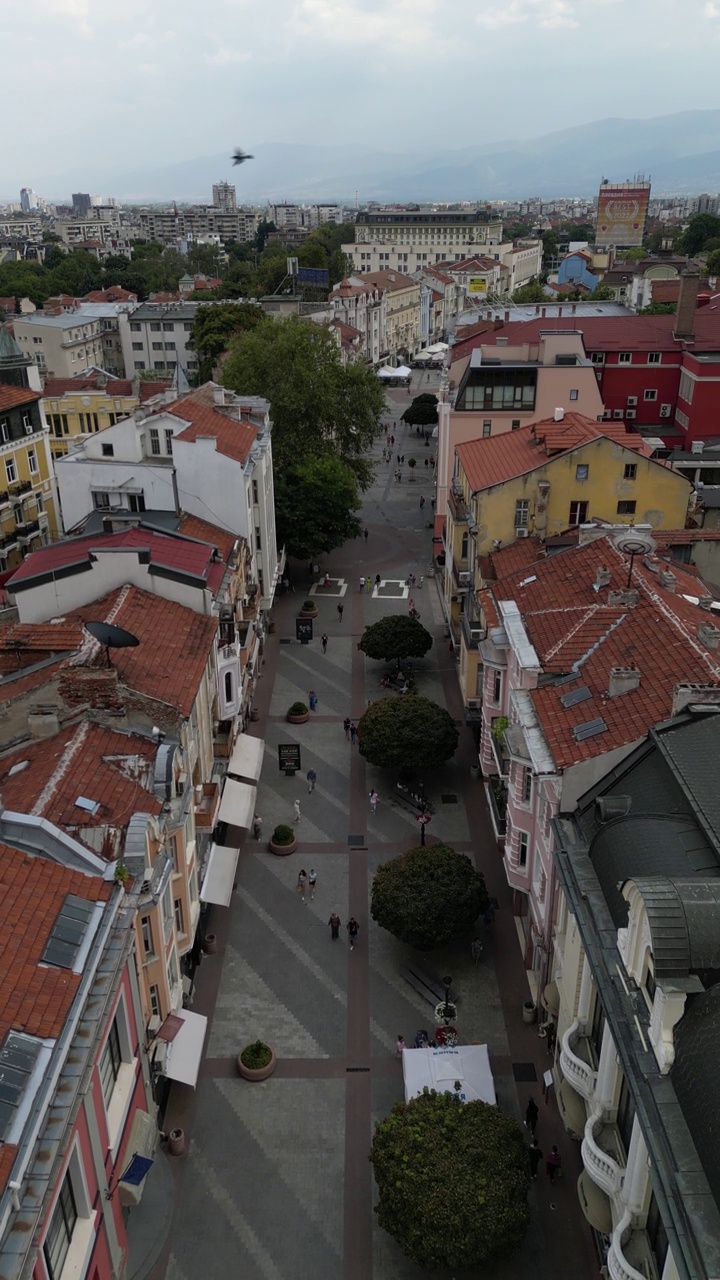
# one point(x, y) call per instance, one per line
point(422, 412)
point(395, 636)
point(315, 505)
point(407, 732)
point(532, 292)
point(428, 896)
point(657, 309)
point(603, 293)
point(453, 1180)
point(701, 228)
point(213, 327)
point(318, 406)
point(713, 263)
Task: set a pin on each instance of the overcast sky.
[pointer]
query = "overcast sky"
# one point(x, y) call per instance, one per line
point(107, 86)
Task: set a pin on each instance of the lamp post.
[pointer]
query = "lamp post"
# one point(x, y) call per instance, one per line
point(447, 983)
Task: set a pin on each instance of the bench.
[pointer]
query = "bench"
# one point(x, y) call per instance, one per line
point(426, 983)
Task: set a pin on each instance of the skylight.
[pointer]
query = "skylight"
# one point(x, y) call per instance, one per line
point(572, 698)
point(589, 730)
point(17, 1059)
point(68, 932)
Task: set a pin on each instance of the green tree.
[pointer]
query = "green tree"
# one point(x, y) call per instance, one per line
point(315, 505)
point(532, 292)
point(603, 293)
point(453, 1180)
point(214, 327)
point(633, 255)
point(701, 228)
point(422, 412)
point(428, 897)
point(318, 407)
point(395, 637)
point(713, 263)
point(407, 733)
point(262, 233)
point(658, 309)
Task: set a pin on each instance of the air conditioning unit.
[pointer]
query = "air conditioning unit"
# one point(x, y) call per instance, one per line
point(522, 533)
point(630, 414)
point(476, 633)
point(632, 400)
point(465, 578)
point(665, 410)
point(474, 704)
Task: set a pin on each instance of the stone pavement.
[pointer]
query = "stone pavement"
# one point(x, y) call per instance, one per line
point(276, 1184)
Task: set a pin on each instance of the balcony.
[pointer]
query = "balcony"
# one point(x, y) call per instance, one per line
point(496, 791)
point(205, 804)
point(619, 1265)
point(500, 751)
point(578, 1073)
point(601, 1148)
point(20, 486)
point(457, 505)
point(27, 529)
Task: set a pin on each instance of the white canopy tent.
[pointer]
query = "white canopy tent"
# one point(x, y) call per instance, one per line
point(185, 1050)
point(402, 371)
point(437, 349)
point(219, 878)
point(424, 357)
point(439, 1069)
point(237, 806)
point(247, 757)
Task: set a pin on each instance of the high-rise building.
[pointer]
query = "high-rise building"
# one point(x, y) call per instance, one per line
point(81, 201)
point(224, 197)
point(28, 199)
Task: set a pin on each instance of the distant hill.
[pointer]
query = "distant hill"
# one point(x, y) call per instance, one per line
point(680, 152)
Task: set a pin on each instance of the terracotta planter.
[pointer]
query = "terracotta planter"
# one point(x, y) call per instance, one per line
point(282, 850)
point(210, 944)
point(254, 715)
point(260, 1073)
point(176, 1142)
point(297, 719)
point(308, 613)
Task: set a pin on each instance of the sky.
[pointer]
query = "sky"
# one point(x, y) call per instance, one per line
point(95, 88)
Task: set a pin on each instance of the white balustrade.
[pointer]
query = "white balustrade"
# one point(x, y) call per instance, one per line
point(604, 1170)
point(617, 1264)
point(577, 1073)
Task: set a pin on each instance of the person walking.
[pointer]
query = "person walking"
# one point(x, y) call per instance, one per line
point(362, 584)
point(368, 584)
point(399, 1047)
point(531, 1116)
point(296, 811)
point(326, 581)
point(476, 950)
point(301, 883)
point(535, 1155)
point(392, 438)
point(323, 641)
point(334, 923)
point(353, 733)
point(553, 1164)
point(374, 797)
point(398, 459)
point(411, 607)
point(346, 727)
point(312, 699)
point(366, 534)
point(311, 780)
point(257, 826)
point(353, 929)
point(341, 610)
point(422, 501)
point(378, 580)
point(312, 881)
point(421, 579)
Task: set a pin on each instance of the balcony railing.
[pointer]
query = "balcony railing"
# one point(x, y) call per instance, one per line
point(579, 1074)
point(497, 799)
point(457, 505)
point(618, 1265)
point(500, 752)
point(206, 797)
point(604, 1169)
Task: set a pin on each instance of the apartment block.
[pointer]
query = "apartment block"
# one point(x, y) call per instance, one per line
point(60, 345)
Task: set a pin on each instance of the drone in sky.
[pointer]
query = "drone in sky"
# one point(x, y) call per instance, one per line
point(239, 156)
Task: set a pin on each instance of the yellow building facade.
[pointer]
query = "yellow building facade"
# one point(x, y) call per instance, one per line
point(77, 407)
point(28, 506)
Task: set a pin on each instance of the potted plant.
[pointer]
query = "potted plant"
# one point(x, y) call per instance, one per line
point(122, 876)
point(446, 1036)
point(412, 463)
point(283, 840)
point(257, 1061)
point(298, 713)
point(308, 609)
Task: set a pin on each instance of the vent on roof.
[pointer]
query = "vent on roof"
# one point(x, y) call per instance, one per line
point(708, 635)
point(90, 806)
point(68, 932)
point(627, 597)
point(17, 1061)
point(603, 578)
point(576, 695)
point(623, 680)
point(589, 729)
point(609, 807)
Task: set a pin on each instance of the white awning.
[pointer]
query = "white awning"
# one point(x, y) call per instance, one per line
point(182, 1061)
point(217, 885)
point(441, 1069)
point(237, 806)
point(247, 757)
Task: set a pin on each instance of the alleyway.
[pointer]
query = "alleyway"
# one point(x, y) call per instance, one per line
point(276, 1184)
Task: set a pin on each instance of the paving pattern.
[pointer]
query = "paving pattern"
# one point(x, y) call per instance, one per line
point(276, 1184)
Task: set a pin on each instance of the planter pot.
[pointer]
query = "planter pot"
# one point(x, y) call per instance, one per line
point(282, 850)
point(475, 771)
point(271, 628)
point(308, 613)
point(297, 719)
point(529, 1012)
point(255, 715)
point(210, 944)
point(259, 1073)
point(176, 1142)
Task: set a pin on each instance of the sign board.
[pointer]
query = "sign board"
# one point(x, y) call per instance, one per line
point(304, 629)
point(289, 756)
point(477, 284)
point(621, 214)
point(313, 275)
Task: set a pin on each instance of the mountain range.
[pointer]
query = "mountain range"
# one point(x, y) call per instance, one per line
point(680, 152)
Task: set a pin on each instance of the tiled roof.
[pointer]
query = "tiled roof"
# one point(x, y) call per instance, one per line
point(23, 645)
point(182, 554)
point(175, 645)
point(684, 537)
point(55, 387)
point(114, 294)
point(390, 280)
point(148, 390)
point(18, 685)
point(495, 459)
point(574, 627)
point(515, 556)
point(193, 527)
point(233, 438)
point(617, 333)
point(13, 397)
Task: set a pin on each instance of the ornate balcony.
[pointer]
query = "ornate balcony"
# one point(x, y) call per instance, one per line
point(604, 1169)
point(579, 1074)
point(618, 1264)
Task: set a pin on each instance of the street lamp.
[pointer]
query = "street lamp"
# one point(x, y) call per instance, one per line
point(447, 983)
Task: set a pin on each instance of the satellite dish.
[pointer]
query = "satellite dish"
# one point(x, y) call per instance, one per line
point(111, 637)
point(633, 542)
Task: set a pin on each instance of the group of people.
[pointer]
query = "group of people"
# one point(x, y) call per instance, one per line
point(553, 1164)
point(352, 926)
point(350, 730)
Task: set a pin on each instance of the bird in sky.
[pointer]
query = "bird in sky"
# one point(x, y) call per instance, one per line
point(239, 156)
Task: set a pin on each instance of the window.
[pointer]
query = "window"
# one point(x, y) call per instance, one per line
point(574, 393)
point(255, 497)
point(582, 471)
point(258, 539)
point(108, 450)
point(147, 935)
point(169, 346)
point(158, 364)
point(597, 357)
point(137, 346)
point(630, 472)
point(625, 357)
point(526, 791)
point(187, 327)
point(632, 400)
point(497, 686)
point(32, 462)
point(515, 424)
point(101, 501)
point(464, 545)
point(135, 327)
point(487, 427)
point(523, 844)
point(139, 364)
point(578, 513)
point(168, 327)
point(136, 501)
point(178, 907)
point(618, 413)
point(682, 419)
point(625, 1114)
point(60, 1232)
point(650, 395)
point(155, 327)
point(5, 430)
point(626, 508)
point(155, 1000)
point(168, 440)
point(522, 513)
point(654, 357)
point(10, 470)
point(27, 423)
point(157, 346)
point(110, 1061)
point(155, 441)
point(40, 503)
point(17, 1062)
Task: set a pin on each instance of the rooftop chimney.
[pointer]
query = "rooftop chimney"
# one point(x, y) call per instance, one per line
point(559, 414)
point(709, 635)
point(623, 680)
point(687, 305)
point(702, 695)
point(107, 524)
point(706, 602)
point(667, 579)
point(218, 395)
point(629, 597)
point(603, 578)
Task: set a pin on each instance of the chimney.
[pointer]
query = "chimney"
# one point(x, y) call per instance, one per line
point(623, 680)
point(652, 563)
point(699, 695)
point(706, 602)
point(107, 524)
point(667, 579)
point(573, 309)
point(44, 722)
point(543, 312)
point(218, 395)
point(507, 317)
point(603, 578)
point(687, 305)
point(709, 635)
point(559, 414)
point(629, 597)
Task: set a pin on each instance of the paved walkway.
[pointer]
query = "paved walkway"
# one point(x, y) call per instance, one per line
point(276, 1184)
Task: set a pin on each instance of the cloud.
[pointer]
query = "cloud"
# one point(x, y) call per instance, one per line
point(543, 13)
point(394, 24)
point(711, 11)
point(227, 57)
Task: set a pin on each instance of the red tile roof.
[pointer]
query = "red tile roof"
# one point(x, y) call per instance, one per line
point(611, 332)
point(115, 293)
point(182, 554)
point(13, 397)
point(23, 645)
point(683, 537)
point(233, 438)
point(193, 527)
point(148, 390)
point(56, 387)
point(390, 280)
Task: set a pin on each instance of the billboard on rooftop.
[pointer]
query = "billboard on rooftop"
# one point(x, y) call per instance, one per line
point(621, 215)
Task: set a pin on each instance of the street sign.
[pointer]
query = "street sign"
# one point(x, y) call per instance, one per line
point(289, 757)
point(304, 629)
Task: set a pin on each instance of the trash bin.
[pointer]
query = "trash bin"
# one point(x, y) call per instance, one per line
point(529, 1011)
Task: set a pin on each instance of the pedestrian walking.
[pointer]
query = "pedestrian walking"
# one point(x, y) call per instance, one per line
point(432, 503)
point(296, 811)
point(535, 1155)
point(412, 581)
point(392, 438)
point(323, 641)
point(476, 950)
point(553, 1164)
point(420, 582)
point(374, 797)
point(353, 733)
point(387, 438)
point(378, 580)
point(346, 727)
point(312, 700)
point(411, 607)
point(422, 501)
point(334, 923)
point(301, 883)
point(531, 1116)
point(427, 462)
point(366, 534)
point(362, 584)
point(341, 610)
point(368, 584)
point(402, 459)
point(312, 881)
point(432, 460)
point(257, 826)
point(326, 582)
point(399, 1046)
point(353, 929)
point(311, 780)
point(398, 458)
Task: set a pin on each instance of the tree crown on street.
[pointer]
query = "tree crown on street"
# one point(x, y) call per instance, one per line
point(395, 637)
point(428, 896)
point(407, 732)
